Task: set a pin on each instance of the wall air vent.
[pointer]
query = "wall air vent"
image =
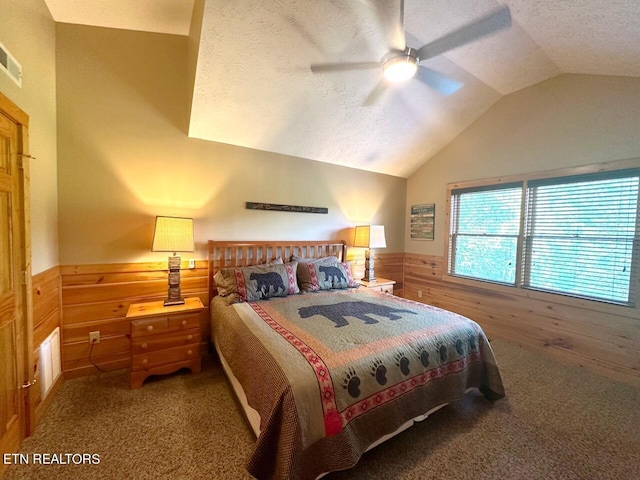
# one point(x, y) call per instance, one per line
point(10, 66)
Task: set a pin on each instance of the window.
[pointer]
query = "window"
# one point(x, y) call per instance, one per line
point(484, 233)
point(578, 235)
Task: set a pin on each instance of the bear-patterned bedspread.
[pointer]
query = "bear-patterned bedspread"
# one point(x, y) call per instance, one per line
point(330, 373)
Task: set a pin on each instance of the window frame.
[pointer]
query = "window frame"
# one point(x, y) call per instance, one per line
point(518, 288)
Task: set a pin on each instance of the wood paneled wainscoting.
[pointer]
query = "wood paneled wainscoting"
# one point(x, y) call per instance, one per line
point(603, 338)
point(46, 318)
point(97, 297)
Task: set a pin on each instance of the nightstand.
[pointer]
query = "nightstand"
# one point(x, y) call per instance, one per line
point(164, 339)
point(383, 285)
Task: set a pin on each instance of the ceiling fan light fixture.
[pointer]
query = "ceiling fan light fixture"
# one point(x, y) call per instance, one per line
point(400, 68)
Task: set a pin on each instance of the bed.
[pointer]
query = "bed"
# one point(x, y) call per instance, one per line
point(324, 370)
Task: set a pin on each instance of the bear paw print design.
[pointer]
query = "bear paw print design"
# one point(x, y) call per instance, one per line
point(423, 355)
point(351, 383)
point(379, 371)
point(403, 362)
point(442, 350)
point(473, 342)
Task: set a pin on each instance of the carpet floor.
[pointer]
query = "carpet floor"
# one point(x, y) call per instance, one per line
point(557, 422)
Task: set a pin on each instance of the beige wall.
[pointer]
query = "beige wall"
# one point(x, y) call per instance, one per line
point(566, 121)
point(124, 157)
point(28, 32)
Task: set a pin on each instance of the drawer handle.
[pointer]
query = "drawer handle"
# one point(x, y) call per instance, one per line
point(189, 352)
point(189, 337)
point(144, 345)
point(145, 361)
point(150, 328)
point(184, 323)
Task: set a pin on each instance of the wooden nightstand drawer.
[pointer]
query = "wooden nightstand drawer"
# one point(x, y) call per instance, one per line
point(152, 343)
point(149, 326)
point(184, 322)
point(164, 357)
point(383, 289)
point(163, 324)
point(383, 285)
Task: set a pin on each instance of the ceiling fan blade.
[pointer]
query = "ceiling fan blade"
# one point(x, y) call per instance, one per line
point(338, 67)
point(375, 94)
point(438, 81)
point(390, 25)
point(369, 4)
point(497, 20)
point(303, 32)
point(412, 41)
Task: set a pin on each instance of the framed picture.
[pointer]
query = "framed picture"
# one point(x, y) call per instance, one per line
point(423, 221)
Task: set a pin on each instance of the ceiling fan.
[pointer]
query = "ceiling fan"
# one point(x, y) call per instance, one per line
point(401, 65)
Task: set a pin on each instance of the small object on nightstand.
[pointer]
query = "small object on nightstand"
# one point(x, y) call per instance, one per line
point(164, 339)
point(383, 285)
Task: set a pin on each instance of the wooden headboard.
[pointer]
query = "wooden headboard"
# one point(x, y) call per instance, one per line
point(224, 254)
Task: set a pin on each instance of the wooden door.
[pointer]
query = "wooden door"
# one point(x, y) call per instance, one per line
point(14, 409)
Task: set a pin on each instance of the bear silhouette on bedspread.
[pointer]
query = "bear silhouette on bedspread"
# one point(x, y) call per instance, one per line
point(331, 272)
point(267, 280)
point(338, 311)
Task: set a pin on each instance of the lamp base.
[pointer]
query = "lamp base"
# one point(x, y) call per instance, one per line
point(369, 276)
point(174, 296)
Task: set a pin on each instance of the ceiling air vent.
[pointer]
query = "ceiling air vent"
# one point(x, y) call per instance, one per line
point(10, 66)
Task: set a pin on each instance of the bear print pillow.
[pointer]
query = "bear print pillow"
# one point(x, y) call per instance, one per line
point(248, 284)
point(305, 273)
point(329, 277)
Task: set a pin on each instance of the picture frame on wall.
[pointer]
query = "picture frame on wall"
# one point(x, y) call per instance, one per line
point(423, 221)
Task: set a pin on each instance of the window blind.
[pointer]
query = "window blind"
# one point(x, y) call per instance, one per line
point(580, 235)
point(484, 230)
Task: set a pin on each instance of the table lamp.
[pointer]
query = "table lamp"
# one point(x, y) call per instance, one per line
point(173, 234)
point(369, 237)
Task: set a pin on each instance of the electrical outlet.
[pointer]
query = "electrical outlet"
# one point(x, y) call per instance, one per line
point(419, 293)
point(192, 263)
point(94, 337)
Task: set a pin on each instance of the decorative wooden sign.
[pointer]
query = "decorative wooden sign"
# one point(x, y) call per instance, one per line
point(285, 208)
point(422, 221)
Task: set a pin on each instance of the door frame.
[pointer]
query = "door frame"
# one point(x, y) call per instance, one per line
point(27, 372)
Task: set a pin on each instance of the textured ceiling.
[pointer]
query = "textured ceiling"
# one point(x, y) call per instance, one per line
point(254, 88)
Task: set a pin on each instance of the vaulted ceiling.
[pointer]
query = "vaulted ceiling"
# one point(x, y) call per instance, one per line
point(254, 87)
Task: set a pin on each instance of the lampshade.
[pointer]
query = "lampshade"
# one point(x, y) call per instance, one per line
point(173, 234)
point(370, 236)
